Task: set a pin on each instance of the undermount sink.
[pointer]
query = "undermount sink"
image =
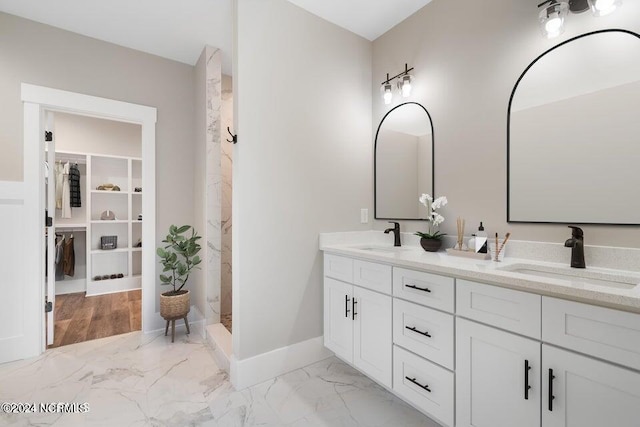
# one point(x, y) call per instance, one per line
point(586, 276)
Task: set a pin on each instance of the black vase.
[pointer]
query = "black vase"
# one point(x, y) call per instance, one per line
point(430, 245)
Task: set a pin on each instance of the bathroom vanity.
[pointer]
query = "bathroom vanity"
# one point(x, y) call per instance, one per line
point(483, 344)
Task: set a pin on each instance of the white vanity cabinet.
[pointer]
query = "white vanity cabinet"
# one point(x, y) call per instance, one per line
point(578, 391)
point(497, 377)
point(470, 354)
point(357, 321)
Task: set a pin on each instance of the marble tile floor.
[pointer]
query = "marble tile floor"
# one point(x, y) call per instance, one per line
point(144, 380)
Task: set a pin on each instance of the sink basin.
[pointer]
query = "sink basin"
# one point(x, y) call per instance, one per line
point(576, 276)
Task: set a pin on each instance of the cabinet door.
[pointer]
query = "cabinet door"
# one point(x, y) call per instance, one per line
point(492, 375)
point(585, 392)
point(372, 346)
point(338, 322)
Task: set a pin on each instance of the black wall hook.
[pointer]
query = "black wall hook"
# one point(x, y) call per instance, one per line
point(234, 138)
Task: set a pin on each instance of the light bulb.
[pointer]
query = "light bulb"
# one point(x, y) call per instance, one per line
point(554, 24)
point(604, 7)
point(405, 86)
point(388, 95)
point(552, 19)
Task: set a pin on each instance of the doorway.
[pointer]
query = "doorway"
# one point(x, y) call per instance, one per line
point(94, 198)
point(120, 273)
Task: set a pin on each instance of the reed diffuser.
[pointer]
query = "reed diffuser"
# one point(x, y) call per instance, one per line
point(460, 223)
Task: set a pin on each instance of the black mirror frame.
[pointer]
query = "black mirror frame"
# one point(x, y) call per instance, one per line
point(375, 161)
point(513, 92)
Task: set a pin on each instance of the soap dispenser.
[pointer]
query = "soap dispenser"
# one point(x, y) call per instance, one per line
point(481, 240)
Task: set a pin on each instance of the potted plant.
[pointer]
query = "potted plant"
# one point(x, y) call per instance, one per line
point(178, 257)
point(431, 241)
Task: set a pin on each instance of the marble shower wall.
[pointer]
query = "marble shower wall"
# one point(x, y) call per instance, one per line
point(227, 165)
point(213, 191)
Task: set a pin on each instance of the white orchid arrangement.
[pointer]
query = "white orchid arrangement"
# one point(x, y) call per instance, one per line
point(433, 217)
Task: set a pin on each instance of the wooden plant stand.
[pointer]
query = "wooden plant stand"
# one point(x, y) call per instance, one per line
point(173, 326)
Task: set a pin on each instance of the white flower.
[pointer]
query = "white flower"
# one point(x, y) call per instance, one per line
point(440, 202)
point(425, 198)
point(437, 219)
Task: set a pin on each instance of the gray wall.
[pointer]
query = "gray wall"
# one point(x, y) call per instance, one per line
point(302, 165)
point(467, 57)
point(42, 55)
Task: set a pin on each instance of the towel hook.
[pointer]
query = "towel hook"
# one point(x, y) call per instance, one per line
point(234, 138)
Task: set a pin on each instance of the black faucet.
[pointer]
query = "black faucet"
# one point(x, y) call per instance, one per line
point(396, 233)
point(576, 243)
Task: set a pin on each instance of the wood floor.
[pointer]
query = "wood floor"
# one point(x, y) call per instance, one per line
point(79, 318)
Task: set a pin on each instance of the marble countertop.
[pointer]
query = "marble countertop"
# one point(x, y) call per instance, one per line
point(625, 298)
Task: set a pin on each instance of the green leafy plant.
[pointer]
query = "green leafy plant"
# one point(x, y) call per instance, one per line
point(433, 236)
point(179, 257)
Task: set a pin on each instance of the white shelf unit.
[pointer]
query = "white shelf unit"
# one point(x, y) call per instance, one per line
point(125, 172)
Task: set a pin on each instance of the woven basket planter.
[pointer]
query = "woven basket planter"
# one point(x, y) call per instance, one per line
point(174, 306)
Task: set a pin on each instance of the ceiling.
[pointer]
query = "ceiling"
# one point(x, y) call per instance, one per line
point(367, 18)
point(170, 29)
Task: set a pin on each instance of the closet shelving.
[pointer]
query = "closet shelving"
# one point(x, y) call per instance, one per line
point(126, 259)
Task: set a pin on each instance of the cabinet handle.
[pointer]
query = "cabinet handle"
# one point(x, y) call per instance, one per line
point(413, 329)
point(346, 306)
point(418, 288)
point(551, 396)
point(527, 387)
point(353, 308)
point(424, 387)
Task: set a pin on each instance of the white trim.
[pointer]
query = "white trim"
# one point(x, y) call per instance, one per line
point(87, 105)
point(255, 370)
point(36, 100)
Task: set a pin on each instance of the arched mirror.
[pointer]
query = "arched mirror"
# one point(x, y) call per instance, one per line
point(403, 165)
point(574, 133)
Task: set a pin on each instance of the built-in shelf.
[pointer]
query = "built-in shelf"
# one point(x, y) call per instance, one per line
point(136, 249)
point(70, 226)
point(108, 192)
point(115, 221)
point(107, 251)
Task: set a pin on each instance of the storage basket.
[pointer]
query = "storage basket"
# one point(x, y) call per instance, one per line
point(108, 242)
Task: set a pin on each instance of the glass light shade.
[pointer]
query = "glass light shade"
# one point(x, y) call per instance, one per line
point(404, 84)
point(552, 19)
point(604, 7)
point(387, 93)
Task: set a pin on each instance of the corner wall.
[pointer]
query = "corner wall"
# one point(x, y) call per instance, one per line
point(467, 57)
point(302, 166)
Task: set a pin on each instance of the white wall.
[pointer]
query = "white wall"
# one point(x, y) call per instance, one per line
point(42, 55)
point(90, 135)
point(467, 57)
point(303, 165)
point(226, 113)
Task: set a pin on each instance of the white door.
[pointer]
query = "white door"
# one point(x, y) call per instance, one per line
point(493, 370)
point(21, 254)
point(338, 323)
point(51, 235)
point(372, 334)
point(582, 392)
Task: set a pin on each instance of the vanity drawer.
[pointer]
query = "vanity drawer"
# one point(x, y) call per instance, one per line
point(427, 386)
point(371, 275)
point(508, 309)
point(424, 288)
point(424, 331)
point(597, 331)
point(338, 267)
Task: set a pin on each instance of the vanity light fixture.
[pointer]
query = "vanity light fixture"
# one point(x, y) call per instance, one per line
point(404, 85)
point(554, 12)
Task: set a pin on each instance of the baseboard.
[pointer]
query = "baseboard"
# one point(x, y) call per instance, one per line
point(196, 323)
point(71, 286)
point(219, 339)
point(254, 370)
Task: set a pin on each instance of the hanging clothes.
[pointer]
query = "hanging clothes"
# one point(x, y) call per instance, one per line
point(59, 254)
point(58, 174)
point(74, 186)
point(68, 257)
point(66, 193)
